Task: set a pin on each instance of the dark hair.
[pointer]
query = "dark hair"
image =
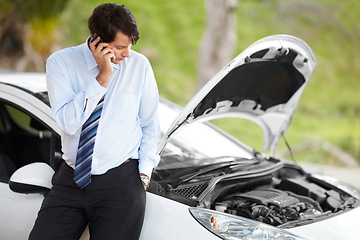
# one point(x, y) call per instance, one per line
point(109, 18)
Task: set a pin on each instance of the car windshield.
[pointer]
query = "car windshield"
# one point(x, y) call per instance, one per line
point(198, 144)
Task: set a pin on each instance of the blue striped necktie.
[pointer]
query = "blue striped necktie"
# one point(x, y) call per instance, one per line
point(82, 174)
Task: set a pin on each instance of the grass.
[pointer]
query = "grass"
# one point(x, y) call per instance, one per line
point(171, 34)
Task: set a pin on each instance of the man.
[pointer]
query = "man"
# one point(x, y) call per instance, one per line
point(104, 98)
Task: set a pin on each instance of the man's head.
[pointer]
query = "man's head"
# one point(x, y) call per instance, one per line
point(110, 18)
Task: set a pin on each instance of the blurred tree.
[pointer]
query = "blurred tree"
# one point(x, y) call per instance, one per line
point(28, 31)
point(219, 39)
point(11, 33)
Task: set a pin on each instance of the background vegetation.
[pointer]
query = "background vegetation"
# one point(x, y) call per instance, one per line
point(329, 111)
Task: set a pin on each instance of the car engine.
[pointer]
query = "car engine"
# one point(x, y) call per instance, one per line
point(283, 197)
point(290, 200)
point(271, 206)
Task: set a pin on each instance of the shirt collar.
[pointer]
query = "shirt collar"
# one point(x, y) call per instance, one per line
point(90, 60)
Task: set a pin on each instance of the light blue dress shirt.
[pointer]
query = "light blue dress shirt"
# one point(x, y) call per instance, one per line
point(129, 125)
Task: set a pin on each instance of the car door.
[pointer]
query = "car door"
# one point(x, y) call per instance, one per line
point(26, 137)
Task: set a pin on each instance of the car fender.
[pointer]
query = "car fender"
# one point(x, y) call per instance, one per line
point(166, 219)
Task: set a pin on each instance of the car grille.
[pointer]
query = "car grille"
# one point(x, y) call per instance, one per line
point(191, 190)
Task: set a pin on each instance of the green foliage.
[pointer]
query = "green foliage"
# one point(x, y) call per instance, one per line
point(171, 32)
point(39, 9)
point(5, 7)
point(41, 17)
point(330, 106)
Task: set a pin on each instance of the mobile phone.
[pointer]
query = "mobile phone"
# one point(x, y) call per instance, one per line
point(94, 38)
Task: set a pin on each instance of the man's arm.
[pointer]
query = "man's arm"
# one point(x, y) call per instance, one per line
point(103, 55)
point(70, 108)
point(149, 120)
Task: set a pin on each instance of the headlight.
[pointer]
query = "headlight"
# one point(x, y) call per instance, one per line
point(232, 227)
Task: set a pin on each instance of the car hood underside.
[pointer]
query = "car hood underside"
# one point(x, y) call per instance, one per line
point(263, 84)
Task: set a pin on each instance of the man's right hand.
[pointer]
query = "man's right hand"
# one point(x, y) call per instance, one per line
point(103, 55)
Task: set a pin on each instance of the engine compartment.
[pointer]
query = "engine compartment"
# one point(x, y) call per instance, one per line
point(281, 196)
point(290, 200)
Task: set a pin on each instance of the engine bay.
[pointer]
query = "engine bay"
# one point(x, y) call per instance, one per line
point(290, 200)
point(282, 195)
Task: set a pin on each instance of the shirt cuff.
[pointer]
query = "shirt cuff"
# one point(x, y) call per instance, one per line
point(95, 89)
point(146, 167)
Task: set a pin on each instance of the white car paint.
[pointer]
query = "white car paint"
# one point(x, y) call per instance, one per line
point(17, 213)
point(344, 226)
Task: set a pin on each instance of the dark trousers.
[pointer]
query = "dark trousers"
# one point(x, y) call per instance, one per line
point(113, 205)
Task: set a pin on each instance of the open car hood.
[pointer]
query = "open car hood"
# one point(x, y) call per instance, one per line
point(262, 84)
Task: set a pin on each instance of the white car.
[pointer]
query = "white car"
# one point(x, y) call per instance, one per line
point(208, 184)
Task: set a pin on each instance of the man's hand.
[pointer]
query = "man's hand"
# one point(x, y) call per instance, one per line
point(145, 180)
point(103, 55)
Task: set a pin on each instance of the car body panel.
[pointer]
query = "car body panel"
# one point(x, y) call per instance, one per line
point(166, 219)
point(33, 82)
point(263, 84)
point(17, 219)
point(18, 213)
point(344, 226)
point(160, 213)
point(28, 102)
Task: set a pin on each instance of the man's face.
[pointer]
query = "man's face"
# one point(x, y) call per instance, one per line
point(121, 47)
